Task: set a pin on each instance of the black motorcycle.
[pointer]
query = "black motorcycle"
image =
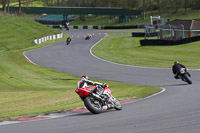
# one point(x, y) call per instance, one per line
point(68, 40)
point(88, 37)
point(185, 75)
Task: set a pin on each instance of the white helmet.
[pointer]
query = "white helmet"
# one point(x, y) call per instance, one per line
point(85, 77)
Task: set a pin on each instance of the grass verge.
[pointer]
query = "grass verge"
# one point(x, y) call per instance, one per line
point(124, 32)
point(127, 50)
point(108, 21)
point(28, 90)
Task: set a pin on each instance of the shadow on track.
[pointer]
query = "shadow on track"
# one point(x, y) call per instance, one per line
point(91, 114)
point(175, 85)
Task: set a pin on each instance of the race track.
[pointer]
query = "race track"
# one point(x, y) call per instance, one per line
point(177, 110)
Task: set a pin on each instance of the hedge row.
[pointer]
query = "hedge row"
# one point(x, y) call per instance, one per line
point(159, 42)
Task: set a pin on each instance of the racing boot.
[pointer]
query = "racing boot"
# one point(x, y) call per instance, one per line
point(110, 106)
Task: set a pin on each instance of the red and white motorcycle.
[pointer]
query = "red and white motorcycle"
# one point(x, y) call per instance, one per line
point(98, 98)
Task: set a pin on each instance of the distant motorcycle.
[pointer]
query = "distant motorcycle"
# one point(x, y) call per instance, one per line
point(68, 40)
point(97, 98)
point(185, 75)
point(88, 37)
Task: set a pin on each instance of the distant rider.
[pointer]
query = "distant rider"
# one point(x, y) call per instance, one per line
point(68, 40)
point(176, 69)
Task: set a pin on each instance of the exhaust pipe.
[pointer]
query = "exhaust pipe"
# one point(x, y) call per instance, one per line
point(97, 97)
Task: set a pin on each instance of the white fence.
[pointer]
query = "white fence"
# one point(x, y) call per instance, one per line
point(47, 38)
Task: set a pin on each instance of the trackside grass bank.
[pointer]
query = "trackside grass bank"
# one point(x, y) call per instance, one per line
point(127, 50)
point(107, 21)
point(28, 90)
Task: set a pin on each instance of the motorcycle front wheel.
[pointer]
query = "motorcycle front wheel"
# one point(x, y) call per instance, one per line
point(117, 104)
point(93, 105)
point(187, 79)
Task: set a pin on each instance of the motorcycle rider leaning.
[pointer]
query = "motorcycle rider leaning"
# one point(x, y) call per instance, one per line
point(176, 69)
point(85, 82)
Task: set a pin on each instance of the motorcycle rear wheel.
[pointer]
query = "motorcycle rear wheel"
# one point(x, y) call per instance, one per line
point(93, 105)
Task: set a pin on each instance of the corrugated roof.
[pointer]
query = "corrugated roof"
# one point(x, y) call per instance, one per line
point(195, 25)
point(188, 24)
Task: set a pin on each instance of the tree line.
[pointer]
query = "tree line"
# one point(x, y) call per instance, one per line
point(145, 5)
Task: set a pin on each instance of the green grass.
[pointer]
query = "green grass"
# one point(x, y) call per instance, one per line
point(124, 30)
point(191, 14)
point(117, 34)
point(121, 34)
point(107, 21)
point(95, 20)
point(33, 4)
point(127, 50)
point(27, 89)
point(17, 32)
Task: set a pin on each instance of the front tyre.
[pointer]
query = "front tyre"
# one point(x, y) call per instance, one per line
point(187, 78)
point(93, 105)
point(117, 104)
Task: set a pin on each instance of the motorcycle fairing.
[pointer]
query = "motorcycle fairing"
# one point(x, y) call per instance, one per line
point(84, 92)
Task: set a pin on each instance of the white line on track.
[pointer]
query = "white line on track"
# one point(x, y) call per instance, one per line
point(122, 64)
point(60, 115)
point(163, 90)
point(53, 116)
point(29, 59)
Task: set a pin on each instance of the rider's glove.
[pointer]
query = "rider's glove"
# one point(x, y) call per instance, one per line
point(96, 83)
point(104, 85)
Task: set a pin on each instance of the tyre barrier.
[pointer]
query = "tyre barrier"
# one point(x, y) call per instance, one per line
point(161, 42)
point(108, 27)
point(85, 27)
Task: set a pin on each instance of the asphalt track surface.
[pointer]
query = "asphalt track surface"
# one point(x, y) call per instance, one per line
point(177, 110)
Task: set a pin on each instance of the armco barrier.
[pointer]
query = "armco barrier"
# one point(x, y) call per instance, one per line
point(109, 27)
point(46, 38)
point(85, 27)
point(159, 42)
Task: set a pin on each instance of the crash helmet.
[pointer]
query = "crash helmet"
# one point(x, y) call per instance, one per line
point(176, 62)
point(84, 77)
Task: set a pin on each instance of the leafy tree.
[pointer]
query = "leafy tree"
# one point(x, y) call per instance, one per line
point(158, 1)
point(20, 6)
point(4, 5)
point(160, 5)
point(143, 7)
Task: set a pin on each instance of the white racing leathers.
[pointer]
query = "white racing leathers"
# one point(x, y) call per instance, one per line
point(85, 83)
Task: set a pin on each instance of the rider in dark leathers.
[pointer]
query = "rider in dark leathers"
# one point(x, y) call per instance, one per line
point(176, 69)
point(68, 40)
